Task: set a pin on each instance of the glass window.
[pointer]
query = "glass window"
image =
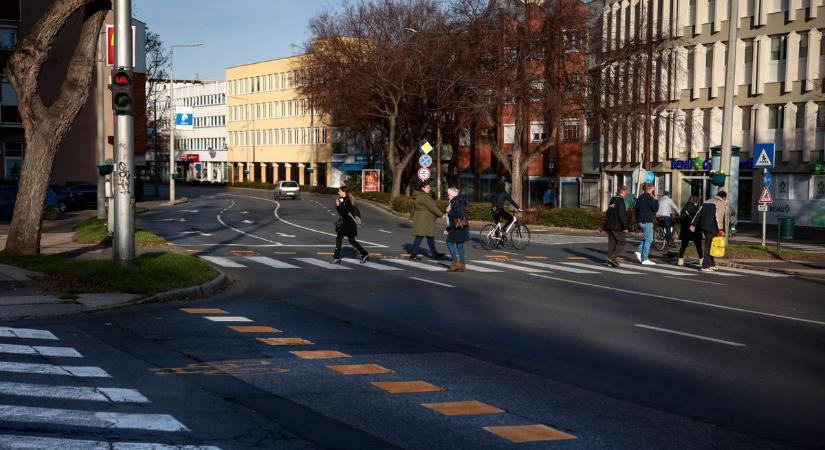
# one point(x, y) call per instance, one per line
point(778, 47)
point(746, 118)
point(8, 37)
point(803, 45)
point(781, 185)
point(820, 115)
point(776, 117)
point(570, 131)
point(800, 115)
point(801, 187)
point(8, 96)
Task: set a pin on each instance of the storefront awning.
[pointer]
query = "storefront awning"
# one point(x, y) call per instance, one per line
point(351, 167)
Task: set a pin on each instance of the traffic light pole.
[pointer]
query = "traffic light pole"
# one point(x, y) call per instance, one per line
point(123, 250)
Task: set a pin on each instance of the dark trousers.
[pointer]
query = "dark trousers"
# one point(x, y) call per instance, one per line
point(340, 239)
point(696, 238)
point(616, 241)
point(708, 261)
point(415, 248)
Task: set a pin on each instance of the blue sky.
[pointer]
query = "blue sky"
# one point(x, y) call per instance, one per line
point(232, 32)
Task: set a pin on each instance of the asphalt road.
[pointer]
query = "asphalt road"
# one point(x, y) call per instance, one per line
point(656, 358)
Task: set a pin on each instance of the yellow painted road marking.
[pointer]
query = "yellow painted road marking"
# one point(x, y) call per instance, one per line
point(254, 329)
point(285, 341)
point(360, 369)
point(405, 387)
point(536, 257)
point(320, 354)
point(576, 257)
point(529, 433)
point(468, 408)
point(203, 311)
point(326, 253)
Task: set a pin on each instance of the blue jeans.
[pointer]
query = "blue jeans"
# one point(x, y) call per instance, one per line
point(456, 251)
point(415, 249)
point(667, 222)
point(644, 247)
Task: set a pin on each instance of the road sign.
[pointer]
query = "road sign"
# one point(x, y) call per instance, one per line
point(763, 207)
point(766, 196)
point(425, 161)
point(766, 179)
point(650, 177)
point(763, 156)
point(424, 174)
point(426, 148)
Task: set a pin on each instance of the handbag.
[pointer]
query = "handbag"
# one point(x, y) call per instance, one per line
point(461, 222)
point(717, 247)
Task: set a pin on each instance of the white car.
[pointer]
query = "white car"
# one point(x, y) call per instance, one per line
point(287, 189)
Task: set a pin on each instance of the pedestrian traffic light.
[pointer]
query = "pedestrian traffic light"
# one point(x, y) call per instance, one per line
point(121, 88)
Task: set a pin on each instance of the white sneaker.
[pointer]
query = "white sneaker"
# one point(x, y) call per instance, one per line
point(648, 262)
point(638, 256)
point(714, 268)
point(707, 269)
point(680, 262)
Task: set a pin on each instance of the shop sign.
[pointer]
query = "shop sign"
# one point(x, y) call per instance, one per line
point(704, 165)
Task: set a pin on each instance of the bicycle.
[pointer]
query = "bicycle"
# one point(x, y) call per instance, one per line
point(492, 236)
point(660, 237)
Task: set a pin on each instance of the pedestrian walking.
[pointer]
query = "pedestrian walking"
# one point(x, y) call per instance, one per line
point(646, 207)
point(616, 226)
point(458, 229)
point(711, 222)
point(689, 212)
point(667, 209)
point(425, 213)
point(346, 226)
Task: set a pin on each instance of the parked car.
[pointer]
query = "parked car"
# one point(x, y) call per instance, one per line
point(52, 206)
point(287, 189)
point(7, 200)
point(63, 195)
point(82, 195)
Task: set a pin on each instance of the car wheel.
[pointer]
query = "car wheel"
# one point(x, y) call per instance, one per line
point(51, 213)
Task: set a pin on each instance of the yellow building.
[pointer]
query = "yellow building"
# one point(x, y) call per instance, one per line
point(272, 133)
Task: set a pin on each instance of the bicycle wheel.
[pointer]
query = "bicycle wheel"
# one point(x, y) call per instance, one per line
point(520, 237)
point(659, 241)
point(487, 237)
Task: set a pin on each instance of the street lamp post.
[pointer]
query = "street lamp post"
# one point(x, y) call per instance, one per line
point(172, 117)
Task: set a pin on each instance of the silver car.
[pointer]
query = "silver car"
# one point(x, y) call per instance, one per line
point(287, 189)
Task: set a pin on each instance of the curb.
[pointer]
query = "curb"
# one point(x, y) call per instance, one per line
point(814, 272)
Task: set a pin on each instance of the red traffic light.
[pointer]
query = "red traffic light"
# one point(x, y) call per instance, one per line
point(121, 79)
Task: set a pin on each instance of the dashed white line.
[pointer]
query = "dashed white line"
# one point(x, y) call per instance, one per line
point(695, 336)
point(424, 280)
point(51, 369)
point(385, 231)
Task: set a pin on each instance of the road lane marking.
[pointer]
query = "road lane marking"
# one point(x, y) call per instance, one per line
point(405, 387)
point(221, 261)
point(322, 264)
point(694, 281)
point(695, 269)
point(432, 282)
point(228, 319)
point(81, 393)
point(470, 267)
point(360, 369)
point(753, 272)
point(285, 235)
point(464, 408)
point(696, 336)
point(371, 265)
point(92, 419)
point(662, 271)
point(271, 262)
point(203, 311)
point(385, 231)
point(506, 253)
point(605, 269)
point(14, 442)
point(52, 369)
point(27, 333)
point(512, 267)
point(285, 341)
point(254, 329)
point(220, 220)
point(683, 300)
point(417, 265)
point(65, 352)
point(558, 267)
point(529, 433)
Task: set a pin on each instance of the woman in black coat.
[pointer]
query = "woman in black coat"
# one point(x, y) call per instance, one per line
point(456, 234)
point(346, 227)
point(689, 212)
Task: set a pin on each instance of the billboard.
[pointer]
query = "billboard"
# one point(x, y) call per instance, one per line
point(110, 45)
point(370, 180)
point(184, 118)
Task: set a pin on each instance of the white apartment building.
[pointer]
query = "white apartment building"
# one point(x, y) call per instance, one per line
point(779, 98)
point(202, 151)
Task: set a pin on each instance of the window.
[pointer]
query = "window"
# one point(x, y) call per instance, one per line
point(746, 118)
point(8, 96)
point(509, 133)
point(800, 115)
point(691, 65)
point(8, 37)
point(779, 47)
point(820, 115)
point(803, 45)
point(708, 66)
point(570, 130)
point(776, 117)
point(538, 132)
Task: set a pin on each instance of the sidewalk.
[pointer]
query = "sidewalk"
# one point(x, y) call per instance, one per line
point(797, 268)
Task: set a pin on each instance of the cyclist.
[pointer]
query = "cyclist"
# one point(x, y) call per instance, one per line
point(497, 202)
point(667, 209)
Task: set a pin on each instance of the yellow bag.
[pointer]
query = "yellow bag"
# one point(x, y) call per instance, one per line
point(717, 247)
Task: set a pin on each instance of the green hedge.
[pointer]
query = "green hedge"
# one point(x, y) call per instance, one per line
point(582, 219)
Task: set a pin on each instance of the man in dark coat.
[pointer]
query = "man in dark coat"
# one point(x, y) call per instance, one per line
point(646, 207)
point(616, 226)
point(711, 221)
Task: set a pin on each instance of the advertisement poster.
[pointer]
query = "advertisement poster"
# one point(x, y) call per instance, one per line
point(370, 180)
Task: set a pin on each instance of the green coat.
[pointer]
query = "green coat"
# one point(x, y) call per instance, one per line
point(425, 213)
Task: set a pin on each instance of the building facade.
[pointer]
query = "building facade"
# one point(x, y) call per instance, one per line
point(273, 134)
point(780, 64)
point(202, 151)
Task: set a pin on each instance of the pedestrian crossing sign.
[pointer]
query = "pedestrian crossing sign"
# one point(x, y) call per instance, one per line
point(766, 196)
point(763, 156)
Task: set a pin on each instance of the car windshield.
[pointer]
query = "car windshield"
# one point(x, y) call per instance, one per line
point(289, 184)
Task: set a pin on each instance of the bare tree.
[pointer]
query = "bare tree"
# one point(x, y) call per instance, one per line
point(157, 106)
point(46, 125)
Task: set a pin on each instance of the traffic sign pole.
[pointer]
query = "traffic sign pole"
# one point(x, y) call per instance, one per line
point(764, 213)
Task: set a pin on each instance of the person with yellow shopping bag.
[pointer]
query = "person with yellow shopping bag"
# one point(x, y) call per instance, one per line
point(711, 221)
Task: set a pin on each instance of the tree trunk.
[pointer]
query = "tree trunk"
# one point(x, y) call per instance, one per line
point(516, 172)
point(45, 126)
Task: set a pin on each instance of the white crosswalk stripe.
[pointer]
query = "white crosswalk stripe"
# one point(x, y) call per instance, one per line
point(511, 267)
point(66, 352)
point(753, 272)
point(91, 419)
point(322, 264)
point(604, 269)
point(51, 369)
point(12, 442)
point(223, 262)
point(271, 262)
point(415, 264)
point(695, 269)
point(371, 265)
point(26, 333)
point(662, 271)
point(228, 319)
point(470, 267)
point(557, 267)
point(84, 393)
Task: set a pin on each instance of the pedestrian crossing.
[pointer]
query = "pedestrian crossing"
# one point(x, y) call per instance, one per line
point(75, 387)
point(480, 266)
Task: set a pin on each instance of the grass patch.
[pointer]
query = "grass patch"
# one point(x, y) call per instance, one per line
point(767, 253)
point(93, 231)
point(152, 273)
